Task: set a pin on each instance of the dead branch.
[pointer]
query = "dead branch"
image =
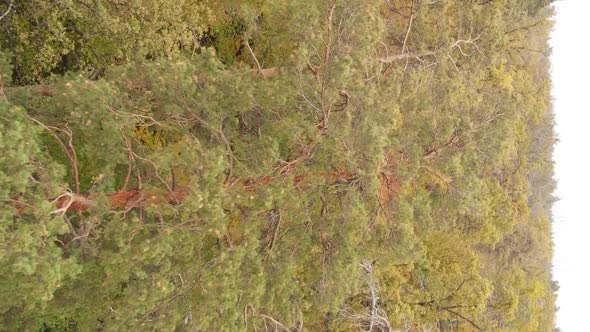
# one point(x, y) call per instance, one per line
point(433, 152)
point(158, 176)
point(377, 317)
point(151, 121)
point(228, 149)
point(121, 199)
point(277, 325)
point(276, 219)
point(131, 160)
point(7, 10)
point(68, 149)
point(138, 198)
point(410, 21)
point(458, 44)
point(328, 50)
point(71, 202)
point(342, 106)
point(394, 58)
point(465, 319)
point(470, 41)
point(253, 55)
point(73, 156)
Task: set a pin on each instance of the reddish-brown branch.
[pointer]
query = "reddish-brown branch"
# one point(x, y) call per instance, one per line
point(128, 199)
point(139, 198)
point(121, 199)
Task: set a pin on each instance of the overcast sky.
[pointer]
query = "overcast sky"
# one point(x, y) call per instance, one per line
point(571, 228)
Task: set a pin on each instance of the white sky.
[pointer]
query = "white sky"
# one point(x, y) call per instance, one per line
point(571, 227)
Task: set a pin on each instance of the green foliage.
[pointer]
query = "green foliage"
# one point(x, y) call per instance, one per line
point(33, 265)
point(56, 36)
point(222, 199)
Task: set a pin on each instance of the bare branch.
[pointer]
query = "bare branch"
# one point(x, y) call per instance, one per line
point(156, 170)
point(465, 319)
point(230, 155)
point(276, 219)
point(131, 161)
point(151, 121)
point(377, 317)
point(253, 56)
point(67, 200)
point(419, 55)
point(73, 156)
point(329, 42)
point(68, 149)
point(470, 41)
point(277, 325)
point(7, 10)
point(404, 45)
point(393, 58)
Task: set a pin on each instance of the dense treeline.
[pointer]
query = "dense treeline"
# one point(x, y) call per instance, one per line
point(285, 165)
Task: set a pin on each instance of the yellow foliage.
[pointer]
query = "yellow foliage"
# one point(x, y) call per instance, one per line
point(148, 136)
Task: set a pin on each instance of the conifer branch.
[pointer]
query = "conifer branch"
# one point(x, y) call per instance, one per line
point(68, 149)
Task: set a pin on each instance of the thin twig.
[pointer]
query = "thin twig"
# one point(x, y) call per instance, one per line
point(68, 149)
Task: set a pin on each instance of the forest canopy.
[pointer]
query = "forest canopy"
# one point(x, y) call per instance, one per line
point(285, 165)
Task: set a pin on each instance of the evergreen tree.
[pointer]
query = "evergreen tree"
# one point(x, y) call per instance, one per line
point(275, 165)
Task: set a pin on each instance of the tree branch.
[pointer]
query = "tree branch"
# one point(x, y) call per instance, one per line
point(465, 318)
point(393, 58)
point(7, 10)
point(68, 149)
point(253, 56)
